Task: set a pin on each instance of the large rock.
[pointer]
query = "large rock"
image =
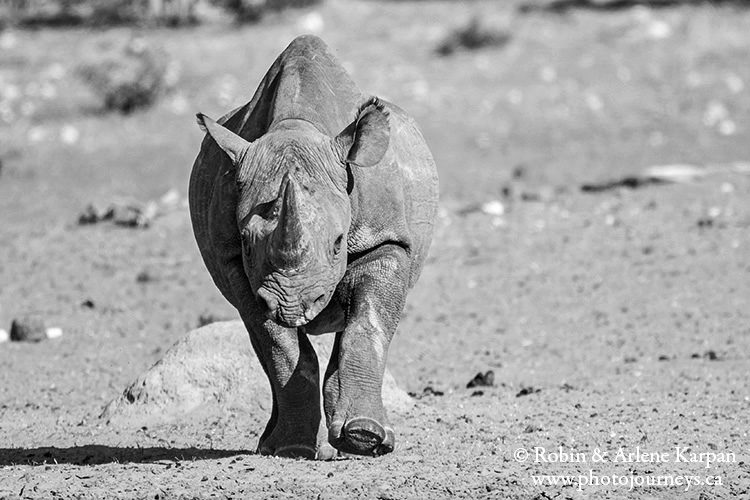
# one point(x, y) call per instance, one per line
point(211, 370)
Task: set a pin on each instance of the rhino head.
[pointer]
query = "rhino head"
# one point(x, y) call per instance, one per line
point(293, 209)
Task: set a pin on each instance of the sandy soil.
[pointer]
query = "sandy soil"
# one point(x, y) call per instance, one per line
point(612, 320)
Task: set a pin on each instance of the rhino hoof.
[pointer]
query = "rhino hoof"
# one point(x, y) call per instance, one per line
point(363, 436)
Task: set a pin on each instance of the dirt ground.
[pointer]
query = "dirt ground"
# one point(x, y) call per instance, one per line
point(614, 321)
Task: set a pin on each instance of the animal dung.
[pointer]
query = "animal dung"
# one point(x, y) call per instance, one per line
point(29, 328)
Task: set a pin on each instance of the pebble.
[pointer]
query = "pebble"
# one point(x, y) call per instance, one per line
point(54, 333)
point(494, 207)
point(486, 379)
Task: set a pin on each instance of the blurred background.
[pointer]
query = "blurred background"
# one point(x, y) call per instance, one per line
point(101, 94)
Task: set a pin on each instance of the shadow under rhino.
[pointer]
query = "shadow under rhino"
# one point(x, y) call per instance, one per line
point(94, 454)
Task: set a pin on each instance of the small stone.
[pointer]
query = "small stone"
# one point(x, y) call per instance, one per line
point(4, 336)
point(94, 213)
point(146, 277)
point(532, 428)
point(486, 379)
point(126, 215)
point(494, 207)
point(28, 328)
point(711, 355)
point(54, 333)
point(427, 391)
point(525, 391)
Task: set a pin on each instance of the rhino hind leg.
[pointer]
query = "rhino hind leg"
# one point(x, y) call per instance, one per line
point(376, 287)
point(291, 365)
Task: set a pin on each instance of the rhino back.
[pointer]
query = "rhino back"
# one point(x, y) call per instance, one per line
point(313, 86)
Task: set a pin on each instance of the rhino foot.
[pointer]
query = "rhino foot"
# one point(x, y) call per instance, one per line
point(288, 441)
point(362, 436)
point(281, 444)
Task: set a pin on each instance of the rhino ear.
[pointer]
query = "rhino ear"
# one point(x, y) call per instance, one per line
point(232, 144)
point(365, 141)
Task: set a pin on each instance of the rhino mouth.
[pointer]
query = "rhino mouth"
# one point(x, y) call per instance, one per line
point(297, 315)
point(292, 312)
point(291, 322)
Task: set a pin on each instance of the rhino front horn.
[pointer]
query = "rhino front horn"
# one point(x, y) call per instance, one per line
point(288, 242)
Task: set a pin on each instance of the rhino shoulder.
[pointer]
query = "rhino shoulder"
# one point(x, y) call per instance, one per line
point(396, 201)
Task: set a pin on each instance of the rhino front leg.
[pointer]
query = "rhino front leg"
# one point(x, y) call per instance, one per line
point(291, 365)
point(375, 290)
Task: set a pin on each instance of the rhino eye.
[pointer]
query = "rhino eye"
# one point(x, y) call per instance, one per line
point(337, 244)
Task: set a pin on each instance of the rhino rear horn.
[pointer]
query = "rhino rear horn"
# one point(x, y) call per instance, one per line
point(365, 141)
point(232, 144)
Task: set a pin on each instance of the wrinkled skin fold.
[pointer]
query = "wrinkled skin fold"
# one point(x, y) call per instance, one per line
point(313, 207)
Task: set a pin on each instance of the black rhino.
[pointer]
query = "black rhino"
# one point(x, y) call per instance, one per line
point(313, 206)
